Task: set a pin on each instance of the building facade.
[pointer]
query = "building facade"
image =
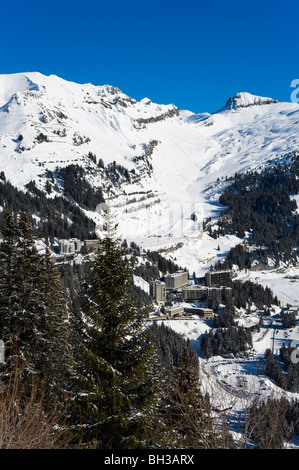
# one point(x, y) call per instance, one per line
point(174, 311)
point(218, 278)
point(91, 245)
point(69, 246)
point(176, 280)
point(205, 313)
point(196, 293)
point(158, 291)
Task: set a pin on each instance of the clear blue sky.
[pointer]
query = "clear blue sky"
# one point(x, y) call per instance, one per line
point(193, 53)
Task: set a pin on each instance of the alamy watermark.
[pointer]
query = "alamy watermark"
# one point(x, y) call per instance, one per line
point(295, 352)
point(2, 352)
point(177, 220)
point(295, 93)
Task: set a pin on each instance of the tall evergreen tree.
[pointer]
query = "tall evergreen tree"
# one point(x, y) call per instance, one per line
point(54, 359)
point(33, 314)
point(116, 386)
point(17, 290)
point(187, 420)
point(7, 270)
point(28, 303)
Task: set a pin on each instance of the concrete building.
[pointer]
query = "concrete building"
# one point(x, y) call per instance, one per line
point(176, 280)
point(174, 311)
point(193, 292)
point(205, 313)
point(218, 278)
point(91, 245)
point(158, 291)
point(69, 246)
point(196, 293)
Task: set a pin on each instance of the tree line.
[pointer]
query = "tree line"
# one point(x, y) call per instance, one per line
point(285, 373)
point(260, 204)
point(55, 217)
point(270, 423)
point(96, 375)
point(91, 377)
point(77, 189)
point(223, 341)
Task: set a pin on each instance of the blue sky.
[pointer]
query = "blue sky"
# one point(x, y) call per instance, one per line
point(191, 53)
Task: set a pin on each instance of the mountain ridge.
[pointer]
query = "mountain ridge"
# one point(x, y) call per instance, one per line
point(180, 159)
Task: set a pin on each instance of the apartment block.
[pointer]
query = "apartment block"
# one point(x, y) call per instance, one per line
point(69, 246)
point(218, 278)
point(174, 311)
point(205, 313)
point(176, 280)
point(196, 293)
point(158, 291)
point(91, 245)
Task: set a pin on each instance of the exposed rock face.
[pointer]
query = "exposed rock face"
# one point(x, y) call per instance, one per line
point(244, 100)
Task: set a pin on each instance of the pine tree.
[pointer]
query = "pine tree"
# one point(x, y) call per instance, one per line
point(7, 270)
point(186, 414)
point(54, 355)
point(116, 385)
point(33, 315)
point(28, 305)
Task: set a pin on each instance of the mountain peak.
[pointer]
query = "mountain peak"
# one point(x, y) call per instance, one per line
point(15, 83)
point(245, 100)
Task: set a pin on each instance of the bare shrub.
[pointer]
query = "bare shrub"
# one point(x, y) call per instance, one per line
point(26, 421)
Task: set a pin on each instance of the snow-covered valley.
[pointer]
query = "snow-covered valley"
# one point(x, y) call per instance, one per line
point(178, 163)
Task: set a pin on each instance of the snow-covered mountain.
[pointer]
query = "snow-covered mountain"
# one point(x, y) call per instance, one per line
point(176, 163)
point(173, 157)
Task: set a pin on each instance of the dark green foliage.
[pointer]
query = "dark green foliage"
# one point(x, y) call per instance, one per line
point(170, 346)
point(19, 289)
point(143, 299)
point(185, 413)
point(42, 138)
point(238, 256)
point(101, 163)
point(186, 418)
point(154, 265)
point(213, 302)
point(117, 173)
point(115, 388)
point(251, 292)
point(232, 340)
point(285, 374)
point(76, 188)
point(242, 295)
point(272, 422)
point(33, 313)
point(273, 370)
point(147, 271)
point(92, 157)
point(225, 319)
point(288, 319)
point(55, 213)
point(164, 265)
point(74, 274)
point(289, 357)
point(260, 203)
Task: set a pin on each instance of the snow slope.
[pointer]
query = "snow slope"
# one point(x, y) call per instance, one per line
point(178, 162)
point(177, 156)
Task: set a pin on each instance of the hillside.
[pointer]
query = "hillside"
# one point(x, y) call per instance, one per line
point(188, 190)
point(159, 164)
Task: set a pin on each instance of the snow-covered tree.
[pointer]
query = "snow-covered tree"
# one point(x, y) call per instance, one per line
point(187, 420)
point(115, 390)
point(33, 310)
